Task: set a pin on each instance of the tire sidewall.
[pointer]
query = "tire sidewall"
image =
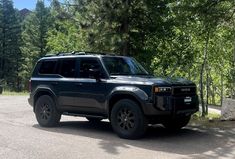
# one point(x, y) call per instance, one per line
point(139, 119)
point(54, 115)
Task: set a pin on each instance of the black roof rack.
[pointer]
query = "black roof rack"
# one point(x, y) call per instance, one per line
point(49, 55)
point(90, 53)
point(79, 53)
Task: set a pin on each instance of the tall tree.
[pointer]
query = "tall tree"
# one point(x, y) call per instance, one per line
point(66, 34)
point(192, 39)
point(34, 35)
point(10, 54)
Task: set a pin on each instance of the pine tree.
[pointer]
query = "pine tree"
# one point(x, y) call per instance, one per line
point(10, 45)
point(2, 59)
point(34, 35)
point(66, 34)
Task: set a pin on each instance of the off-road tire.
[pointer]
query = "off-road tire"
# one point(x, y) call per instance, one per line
point(46, 112)
point(128, 120)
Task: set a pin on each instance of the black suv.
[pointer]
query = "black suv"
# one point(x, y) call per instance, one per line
point(102, 86)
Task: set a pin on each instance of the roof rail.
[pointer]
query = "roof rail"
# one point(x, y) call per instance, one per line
point(91, 52)
point(79, 53)
point(63, 54)
point(49, 55)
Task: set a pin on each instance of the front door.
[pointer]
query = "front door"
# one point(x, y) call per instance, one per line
point(90, 93)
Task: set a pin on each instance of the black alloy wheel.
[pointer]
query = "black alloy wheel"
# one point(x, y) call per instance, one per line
point(128, 120)
point(46, 112)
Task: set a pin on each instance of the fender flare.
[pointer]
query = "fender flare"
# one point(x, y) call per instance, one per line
point(44, 89)
point(135, 92)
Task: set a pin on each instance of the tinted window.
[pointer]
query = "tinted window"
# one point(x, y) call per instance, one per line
point(123, 66)
point(87, 64)
point(47, 67)
point(68, 68)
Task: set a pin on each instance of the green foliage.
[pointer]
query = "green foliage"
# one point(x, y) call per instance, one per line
point(210, 116)
point(34, 35)
point(65, 34)
point(10, 54)
point(191, 39)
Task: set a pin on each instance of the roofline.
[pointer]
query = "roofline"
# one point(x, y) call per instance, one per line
point(78, 54)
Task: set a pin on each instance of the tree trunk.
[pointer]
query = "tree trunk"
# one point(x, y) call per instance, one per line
point(125, 50)
point(233, 73)
point(213, 94)
point(3, 54)
point(18, 71)
point(207, 88)
point(204, 110)
point(233, 65)
point(222, 89)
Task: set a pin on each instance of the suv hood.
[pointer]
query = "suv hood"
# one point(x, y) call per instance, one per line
point(150, 80)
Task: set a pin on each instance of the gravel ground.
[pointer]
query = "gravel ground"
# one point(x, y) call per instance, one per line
point(22, 137)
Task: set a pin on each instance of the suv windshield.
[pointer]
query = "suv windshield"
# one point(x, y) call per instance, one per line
point(123, 66)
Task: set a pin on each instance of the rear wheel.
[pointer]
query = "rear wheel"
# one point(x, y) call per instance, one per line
point(46, 112)
point(128, 120)
point(176, 123)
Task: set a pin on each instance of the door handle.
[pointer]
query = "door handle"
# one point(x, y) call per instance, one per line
point(78, 84)
point(54, 83)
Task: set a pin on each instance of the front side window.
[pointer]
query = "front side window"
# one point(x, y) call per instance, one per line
point(123, 66)
point(86, 65)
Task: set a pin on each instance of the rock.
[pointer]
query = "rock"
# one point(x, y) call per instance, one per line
point(211, 120)
point(228, 109)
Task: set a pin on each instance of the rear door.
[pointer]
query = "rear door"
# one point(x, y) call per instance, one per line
point(66, 69)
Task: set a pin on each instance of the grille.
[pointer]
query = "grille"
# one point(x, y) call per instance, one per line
point(179, 104)
point(184, 90)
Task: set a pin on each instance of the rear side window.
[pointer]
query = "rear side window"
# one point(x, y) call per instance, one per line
point(68, 68)
point(47, 67)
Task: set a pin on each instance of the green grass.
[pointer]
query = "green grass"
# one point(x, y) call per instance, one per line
point(210, 116)
point(212, 120)
point(8, 93)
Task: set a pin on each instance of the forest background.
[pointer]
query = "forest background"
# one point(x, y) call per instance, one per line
point(171, 38)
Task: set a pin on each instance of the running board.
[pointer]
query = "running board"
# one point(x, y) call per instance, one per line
point(84, 115)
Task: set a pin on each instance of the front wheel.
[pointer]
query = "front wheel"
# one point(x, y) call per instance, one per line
point(176, 123)
point(46, 112)
point(128, 120)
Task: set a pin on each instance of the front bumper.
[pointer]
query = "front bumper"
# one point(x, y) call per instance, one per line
point(172, 105)
point(176, 103)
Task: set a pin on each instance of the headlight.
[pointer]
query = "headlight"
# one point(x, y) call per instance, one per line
point(162, 89)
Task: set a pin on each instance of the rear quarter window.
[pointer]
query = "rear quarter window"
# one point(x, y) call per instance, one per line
point(47, 67)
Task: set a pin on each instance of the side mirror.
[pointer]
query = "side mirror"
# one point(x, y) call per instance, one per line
point(95, 74)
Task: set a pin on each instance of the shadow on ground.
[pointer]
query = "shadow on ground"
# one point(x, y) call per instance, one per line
point(190, 141)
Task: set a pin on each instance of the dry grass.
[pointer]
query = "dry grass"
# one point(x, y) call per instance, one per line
point(8, 93)
point(212, 120)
